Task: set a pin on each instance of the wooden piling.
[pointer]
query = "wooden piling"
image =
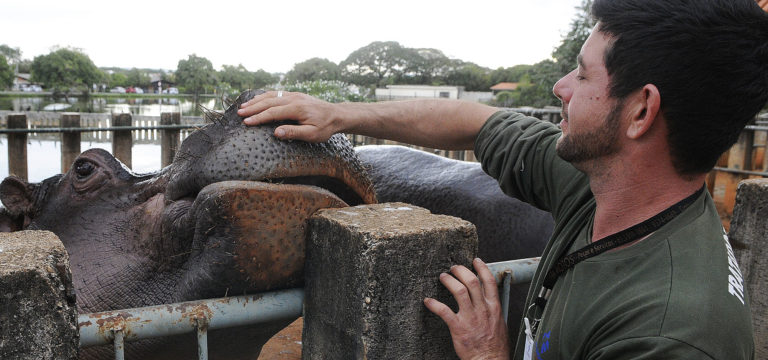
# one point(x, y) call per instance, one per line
point(122, 142)
point(17, 146)
point(169, 138)
point(70, 141)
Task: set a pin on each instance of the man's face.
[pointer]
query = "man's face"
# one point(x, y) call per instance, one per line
point(591, 120)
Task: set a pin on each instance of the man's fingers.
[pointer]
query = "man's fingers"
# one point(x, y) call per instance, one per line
point(307, 133)
point(441, 310)
point(486, 278)
point(459, 291)
point(470, 281)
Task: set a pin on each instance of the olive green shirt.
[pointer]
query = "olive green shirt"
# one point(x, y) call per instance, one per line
point(678, 294)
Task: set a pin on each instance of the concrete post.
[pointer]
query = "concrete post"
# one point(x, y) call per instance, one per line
point(70, 141)
point(17, 146)
point(122, 141)
point(368, 269)
point(38, 317)
point(169, 138)
point(748, 233)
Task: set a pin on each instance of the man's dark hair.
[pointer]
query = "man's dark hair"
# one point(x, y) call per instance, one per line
point(708, 58)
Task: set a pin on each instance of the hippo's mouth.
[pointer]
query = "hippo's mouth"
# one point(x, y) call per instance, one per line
point(249, 233)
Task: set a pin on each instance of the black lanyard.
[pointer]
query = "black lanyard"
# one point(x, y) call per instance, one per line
point(567, 261)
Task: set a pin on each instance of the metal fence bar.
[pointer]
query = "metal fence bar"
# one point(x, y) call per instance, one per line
point(505, 295)
point(173, 319)
point(119, 326)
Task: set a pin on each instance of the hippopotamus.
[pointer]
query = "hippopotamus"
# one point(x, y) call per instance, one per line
point(507, 228)
point(226, 217)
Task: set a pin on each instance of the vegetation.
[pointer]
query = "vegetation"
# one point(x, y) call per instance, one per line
point(6, 74)
point(334, 91)
point(195, 74)
point(65, 68)
point(312, 70)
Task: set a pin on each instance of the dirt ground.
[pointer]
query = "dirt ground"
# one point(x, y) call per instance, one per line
point(285, 345)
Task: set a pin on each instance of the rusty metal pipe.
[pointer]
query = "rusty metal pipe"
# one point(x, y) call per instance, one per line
point(173, 319)
point(521, 270)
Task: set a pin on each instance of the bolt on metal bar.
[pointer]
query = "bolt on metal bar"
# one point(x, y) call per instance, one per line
point(505, 295)
point(202, 338)
point(173, 319)
point(119, 344)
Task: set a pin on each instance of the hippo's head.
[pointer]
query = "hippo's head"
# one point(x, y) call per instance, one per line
point(226, 217)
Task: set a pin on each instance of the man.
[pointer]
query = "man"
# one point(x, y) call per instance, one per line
point(639, 266)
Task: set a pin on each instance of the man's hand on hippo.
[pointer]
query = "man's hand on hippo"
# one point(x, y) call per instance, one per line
point(317, 119)
point(478, 330)
point(435, 123)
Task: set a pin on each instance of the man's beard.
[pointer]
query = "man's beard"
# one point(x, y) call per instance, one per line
point(603, 141)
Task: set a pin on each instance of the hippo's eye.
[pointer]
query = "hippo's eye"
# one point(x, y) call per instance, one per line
point(84, 168)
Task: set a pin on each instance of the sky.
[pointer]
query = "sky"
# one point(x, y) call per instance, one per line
point(275, 35)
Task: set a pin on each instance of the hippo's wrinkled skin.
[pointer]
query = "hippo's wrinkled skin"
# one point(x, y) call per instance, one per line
point(225, 218)
point(506, 227)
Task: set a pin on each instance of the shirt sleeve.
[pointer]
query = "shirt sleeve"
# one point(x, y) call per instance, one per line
point(519, 151)
point(649, 348)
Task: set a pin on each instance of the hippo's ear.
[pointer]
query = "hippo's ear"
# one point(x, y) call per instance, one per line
point(17, 196)
point(10, 223)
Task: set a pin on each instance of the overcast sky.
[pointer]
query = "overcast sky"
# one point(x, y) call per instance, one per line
point(275, 35)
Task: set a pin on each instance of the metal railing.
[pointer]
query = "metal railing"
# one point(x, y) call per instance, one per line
point(120, 326)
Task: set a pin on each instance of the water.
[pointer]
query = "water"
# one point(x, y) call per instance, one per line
point(138, 106)
point(44, 157)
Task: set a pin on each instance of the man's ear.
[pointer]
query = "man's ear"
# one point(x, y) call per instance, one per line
point(644, 106)
point(17, 196)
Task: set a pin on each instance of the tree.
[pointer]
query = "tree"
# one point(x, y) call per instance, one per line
point(238, 77)
point(195, 74)
point(423, 66)
point(6, 73)
point(581, 26)
point(262, 78)
point(313, 69)
point(510, 74)
point(374, 64)
point(136, 77)
point(12, 55)
point(118, 79)
point(470, 75)
point(65, 68)
point(332, 91)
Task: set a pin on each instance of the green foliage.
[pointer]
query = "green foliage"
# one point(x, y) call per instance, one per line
point(139, 78)
point(510, 74)
point(238, 78)
point(423, 67)
point(195, 74)
point(332, 91)
point(6, 74)
point(374, 64)
point(470, 75)
point(63, 69)
point(118, 79)
point(12, 55)
point(581, 26)
point(313, 69)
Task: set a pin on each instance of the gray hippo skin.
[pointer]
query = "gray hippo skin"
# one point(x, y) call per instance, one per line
point(227, 217)
point(506, 227)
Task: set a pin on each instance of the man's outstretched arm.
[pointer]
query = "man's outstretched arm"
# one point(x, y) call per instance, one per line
point(443, 124)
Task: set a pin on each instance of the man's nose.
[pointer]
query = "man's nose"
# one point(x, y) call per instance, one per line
point(563, 88)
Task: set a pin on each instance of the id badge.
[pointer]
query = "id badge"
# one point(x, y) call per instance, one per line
point(528, 354)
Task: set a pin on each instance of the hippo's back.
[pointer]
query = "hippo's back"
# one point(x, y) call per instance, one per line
point(507, 228)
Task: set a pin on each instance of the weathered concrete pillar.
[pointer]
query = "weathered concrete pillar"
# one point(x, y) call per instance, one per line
point(70, 141)
point(38, 318)
point(17, 146)
point(749, 229)
point(122, 141)
point(368, 269)
point(169, 138)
